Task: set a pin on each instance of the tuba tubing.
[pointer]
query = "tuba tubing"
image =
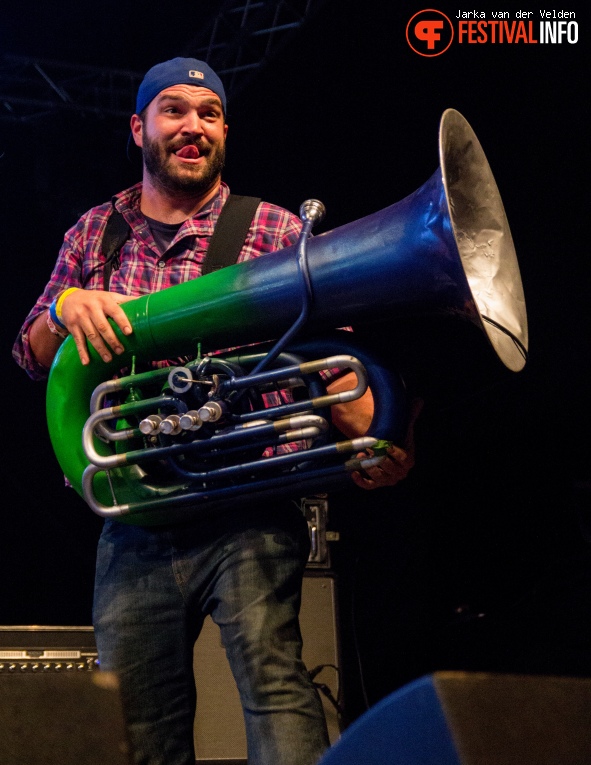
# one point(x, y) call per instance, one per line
point(445, 249)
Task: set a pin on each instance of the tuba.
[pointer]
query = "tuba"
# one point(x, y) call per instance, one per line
point(168, 443)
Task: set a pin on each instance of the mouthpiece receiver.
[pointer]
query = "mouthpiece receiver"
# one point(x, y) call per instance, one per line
point(312, 210)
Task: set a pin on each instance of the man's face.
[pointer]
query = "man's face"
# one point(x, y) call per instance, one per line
point(183, 138)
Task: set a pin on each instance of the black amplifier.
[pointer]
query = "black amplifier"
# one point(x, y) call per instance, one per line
point(55, 705)
point(37, 649)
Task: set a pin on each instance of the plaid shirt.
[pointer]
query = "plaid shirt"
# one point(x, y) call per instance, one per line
point(143, 268)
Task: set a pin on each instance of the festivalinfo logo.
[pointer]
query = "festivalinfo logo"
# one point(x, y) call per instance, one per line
point(431, 33)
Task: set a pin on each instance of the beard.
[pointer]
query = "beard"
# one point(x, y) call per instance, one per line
point(183, 180)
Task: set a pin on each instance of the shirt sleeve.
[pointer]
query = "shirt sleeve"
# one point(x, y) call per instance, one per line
point(66, 273)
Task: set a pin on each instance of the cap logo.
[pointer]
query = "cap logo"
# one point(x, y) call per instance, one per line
point(196, 74)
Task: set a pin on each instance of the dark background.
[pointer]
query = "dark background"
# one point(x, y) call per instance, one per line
point(481, 559)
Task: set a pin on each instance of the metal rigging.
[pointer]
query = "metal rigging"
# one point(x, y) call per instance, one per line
point(238, 41)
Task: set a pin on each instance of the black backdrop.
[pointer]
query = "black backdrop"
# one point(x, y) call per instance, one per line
point(481, 559)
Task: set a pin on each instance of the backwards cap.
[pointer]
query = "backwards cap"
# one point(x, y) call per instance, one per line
point(178, 71)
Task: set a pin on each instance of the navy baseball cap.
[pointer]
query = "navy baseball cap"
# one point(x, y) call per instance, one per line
point(178, 71)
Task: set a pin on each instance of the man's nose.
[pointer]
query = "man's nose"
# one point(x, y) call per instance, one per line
point(192, 123)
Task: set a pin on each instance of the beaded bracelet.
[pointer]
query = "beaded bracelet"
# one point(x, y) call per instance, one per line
point(54, 329)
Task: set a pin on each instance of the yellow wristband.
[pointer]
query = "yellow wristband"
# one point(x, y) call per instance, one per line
point(61, 298)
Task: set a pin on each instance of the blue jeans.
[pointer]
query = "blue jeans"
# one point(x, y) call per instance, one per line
point(155, 586)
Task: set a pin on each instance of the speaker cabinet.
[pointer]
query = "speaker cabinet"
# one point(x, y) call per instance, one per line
point(456, 718)
point(219, 724)
point(54, 707)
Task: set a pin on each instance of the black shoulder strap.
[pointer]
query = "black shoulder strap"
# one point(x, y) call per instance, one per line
point(115, 234)
point(230, 232)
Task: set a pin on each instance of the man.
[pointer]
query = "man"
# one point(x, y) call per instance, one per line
point(154, 586)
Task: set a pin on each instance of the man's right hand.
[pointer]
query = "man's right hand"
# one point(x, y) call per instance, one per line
point(85, 313)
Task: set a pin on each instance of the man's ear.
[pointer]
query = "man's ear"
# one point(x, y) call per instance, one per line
point(137, 128)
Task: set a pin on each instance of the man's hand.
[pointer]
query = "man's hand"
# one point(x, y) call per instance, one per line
point(85, 313)
point(354, 418)
point(397, 462)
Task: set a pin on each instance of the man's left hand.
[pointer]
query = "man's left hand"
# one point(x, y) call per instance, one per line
point(397, 462)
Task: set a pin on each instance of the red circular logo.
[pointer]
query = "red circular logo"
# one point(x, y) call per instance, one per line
point(429, 32)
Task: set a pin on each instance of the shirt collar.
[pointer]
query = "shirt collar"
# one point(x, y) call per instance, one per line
point(129, 201)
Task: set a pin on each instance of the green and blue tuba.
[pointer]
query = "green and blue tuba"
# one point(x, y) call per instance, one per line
point(164, 444)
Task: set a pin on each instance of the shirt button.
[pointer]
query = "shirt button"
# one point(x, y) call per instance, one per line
point(161, 264)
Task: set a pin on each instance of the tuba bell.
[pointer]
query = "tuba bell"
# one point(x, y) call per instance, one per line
point(167, 443)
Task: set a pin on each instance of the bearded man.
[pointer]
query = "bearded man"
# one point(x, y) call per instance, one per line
point(155, 585)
